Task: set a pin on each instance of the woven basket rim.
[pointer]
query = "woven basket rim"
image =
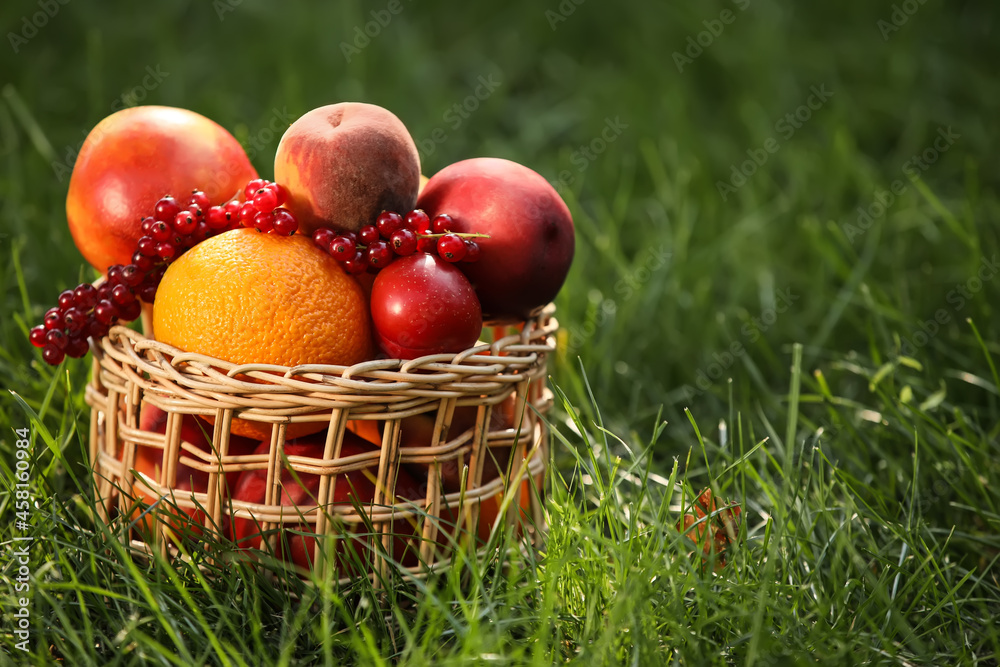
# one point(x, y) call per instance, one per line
point(510, 352)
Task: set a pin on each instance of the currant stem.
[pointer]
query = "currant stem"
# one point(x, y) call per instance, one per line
point(464, 235)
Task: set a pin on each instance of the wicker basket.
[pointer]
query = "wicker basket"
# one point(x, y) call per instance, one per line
point(130, 369)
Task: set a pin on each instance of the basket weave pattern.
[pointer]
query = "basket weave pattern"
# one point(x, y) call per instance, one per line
point(130, 369)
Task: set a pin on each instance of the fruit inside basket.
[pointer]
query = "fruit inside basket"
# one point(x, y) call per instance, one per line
point(406, 460)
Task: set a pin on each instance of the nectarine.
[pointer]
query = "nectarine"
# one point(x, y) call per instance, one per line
point(134, 157)
point(531, 240)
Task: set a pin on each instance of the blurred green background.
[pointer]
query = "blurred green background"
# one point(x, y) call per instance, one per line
point(689, 89)
point(744, 175)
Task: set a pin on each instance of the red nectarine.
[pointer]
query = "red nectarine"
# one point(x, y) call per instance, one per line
point(531, 240)
point(132, 159)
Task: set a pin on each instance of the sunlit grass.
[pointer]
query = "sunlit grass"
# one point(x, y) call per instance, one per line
point(840, 387)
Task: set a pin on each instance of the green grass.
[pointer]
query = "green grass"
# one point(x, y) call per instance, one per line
point(694, 330)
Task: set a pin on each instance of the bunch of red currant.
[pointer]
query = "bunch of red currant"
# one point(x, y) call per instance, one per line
point(375, 246)
point(89, 311)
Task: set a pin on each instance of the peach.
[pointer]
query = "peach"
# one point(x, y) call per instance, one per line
point(531, 240)
point(134, 157)
point(343, 164)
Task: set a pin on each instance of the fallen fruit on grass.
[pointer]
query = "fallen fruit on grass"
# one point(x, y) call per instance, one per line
point(343, 164)
point(300, 490)
point(421, 305)
point(531, 241)
point(712, 534)
point(246, 297)
point(127, 163)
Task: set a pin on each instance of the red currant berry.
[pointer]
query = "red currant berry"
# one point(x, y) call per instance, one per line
point(379, 255)
point(155, 276)
point(66, 299)
point(323, 236)
point(121, 295)
point(284, 222)
point(418, 220)
point(86, 296)
point(104, 291)
point(37, 335)
point(199, 199)
point(146, 224)
point(201, 232)
point(131, 275)
point(264, 222)
point(387, 222)
point(232, 209)
point(216, 218)
point(471, 251)
point(53, 355)
point(442, 224)
point(142, 262)
point(251, 188)
point(147, 293)
point(115, 274)
point(342, 248)
point(451, 248)
point(266, 200)
point(105, 312)
point(427, 245)
point(161, 231)
point(74, 319)
point(368, 234)
point(280, 192)
point(247, 213)
point(357, 264)
point(147, 246)
point(403, 242)
point(56, 337)
point(53, 319)
point(166, 209)
point(77, 347)
point(130, 311)
point(197, 211)
point(165, 250)
point(97, 330)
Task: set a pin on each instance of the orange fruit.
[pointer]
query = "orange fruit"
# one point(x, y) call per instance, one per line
point(247, 297)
